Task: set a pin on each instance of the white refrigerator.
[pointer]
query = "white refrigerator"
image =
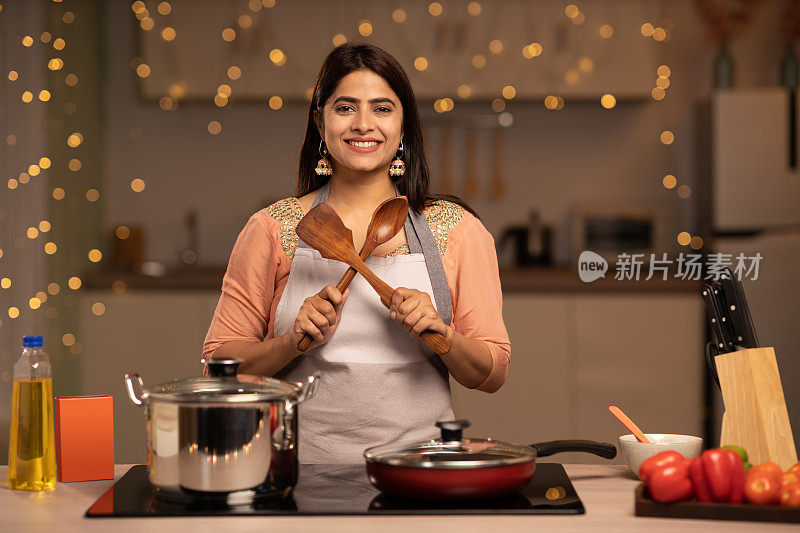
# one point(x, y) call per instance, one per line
point(755, 196)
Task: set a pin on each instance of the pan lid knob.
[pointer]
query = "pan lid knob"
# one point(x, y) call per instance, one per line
point(452, 429)
point(222, 367)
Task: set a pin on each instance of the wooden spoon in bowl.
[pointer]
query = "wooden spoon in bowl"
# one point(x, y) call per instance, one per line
point(386, 221)
point(323, 230)
point(628, 423)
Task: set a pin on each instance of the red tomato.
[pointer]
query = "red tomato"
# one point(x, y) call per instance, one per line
point(761, 489)
point(770, 468)
point(789, 478)
point(657, 462)
point(790, 495)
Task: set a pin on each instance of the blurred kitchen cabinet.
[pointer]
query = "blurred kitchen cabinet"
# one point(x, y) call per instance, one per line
point(643, 353)
point(535, 401)
point(575, 354)
point(157, 334)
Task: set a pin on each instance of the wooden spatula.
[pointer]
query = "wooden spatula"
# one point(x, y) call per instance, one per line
point(386, 221)
point(322, 229)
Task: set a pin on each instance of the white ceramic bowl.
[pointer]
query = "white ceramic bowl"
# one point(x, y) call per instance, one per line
point(636, 452)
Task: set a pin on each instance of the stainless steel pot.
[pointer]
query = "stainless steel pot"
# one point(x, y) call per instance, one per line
point(221, 436)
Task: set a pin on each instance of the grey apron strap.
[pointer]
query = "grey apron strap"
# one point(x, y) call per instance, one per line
point(322, 196)
point(422, 234)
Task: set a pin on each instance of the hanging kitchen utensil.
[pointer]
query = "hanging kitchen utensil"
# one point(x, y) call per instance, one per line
point(446, 160)
point(454, 468)
point(386, 221)
point(322, 229)
point(472, 184)
point(498, 179)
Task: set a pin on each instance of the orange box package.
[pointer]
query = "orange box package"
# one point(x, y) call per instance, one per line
point(84, 438)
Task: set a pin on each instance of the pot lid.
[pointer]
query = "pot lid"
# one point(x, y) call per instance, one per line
point(451, 451)
point(223, 385)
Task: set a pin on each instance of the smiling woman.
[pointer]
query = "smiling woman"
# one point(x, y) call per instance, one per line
point(379, 381)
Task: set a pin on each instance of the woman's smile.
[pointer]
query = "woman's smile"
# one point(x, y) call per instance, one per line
point(363, 146)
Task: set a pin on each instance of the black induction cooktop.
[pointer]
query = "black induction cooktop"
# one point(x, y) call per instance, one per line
point(340, 490)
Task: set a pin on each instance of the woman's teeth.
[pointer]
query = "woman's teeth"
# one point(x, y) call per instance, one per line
point(358, 144)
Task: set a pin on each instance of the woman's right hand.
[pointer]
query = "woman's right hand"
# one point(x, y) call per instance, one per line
point(318, 316)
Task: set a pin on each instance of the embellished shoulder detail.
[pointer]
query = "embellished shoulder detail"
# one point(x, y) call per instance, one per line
point(403, 249)
point(288, 213)
point(442, 217)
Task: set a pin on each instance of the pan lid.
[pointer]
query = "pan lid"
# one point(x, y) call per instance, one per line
point(451, 451)
point(223, 385)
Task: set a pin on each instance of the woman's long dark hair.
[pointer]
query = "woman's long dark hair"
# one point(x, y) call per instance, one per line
point(343, 60)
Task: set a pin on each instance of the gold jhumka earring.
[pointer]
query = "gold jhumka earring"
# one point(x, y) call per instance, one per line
point(324, 167)
point(398, 168)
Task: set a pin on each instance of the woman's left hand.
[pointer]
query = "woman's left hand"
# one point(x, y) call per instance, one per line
point(414, 311)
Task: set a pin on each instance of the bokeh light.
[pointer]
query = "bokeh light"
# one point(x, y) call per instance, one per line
point(608, 101)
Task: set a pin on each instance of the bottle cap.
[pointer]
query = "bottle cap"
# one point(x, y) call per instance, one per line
point(32, 341)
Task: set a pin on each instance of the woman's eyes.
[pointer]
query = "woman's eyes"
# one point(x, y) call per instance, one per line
point(348, 109)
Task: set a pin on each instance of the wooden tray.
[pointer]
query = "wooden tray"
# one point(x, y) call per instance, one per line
point(645, 506)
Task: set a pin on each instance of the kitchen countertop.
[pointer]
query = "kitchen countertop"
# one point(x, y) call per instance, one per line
point(534, 279)
point(606, 491)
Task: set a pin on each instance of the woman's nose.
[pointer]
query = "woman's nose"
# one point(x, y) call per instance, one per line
point(362, 122)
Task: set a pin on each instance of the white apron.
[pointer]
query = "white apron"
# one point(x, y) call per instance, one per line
point(378, 383)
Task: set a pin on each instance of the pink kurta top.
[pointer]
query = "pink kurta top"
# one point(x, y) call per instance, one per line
point(262, 258)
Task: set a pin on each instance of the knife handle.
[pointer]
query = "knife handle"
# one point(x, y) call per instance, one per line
point(748, 330)
point(715, 318)
point(711, 352)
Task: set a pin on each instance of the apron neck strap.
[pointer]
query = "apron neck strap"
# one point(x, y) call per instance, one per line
point(322, 194)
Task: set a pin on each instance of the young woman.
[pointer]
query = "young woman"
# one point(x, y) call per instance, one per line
point(379, 382)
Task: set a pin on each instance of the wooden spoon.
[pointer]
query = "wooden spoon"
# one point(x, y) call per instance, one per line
point(622, 417)
point(323, 230)
point(386, 221)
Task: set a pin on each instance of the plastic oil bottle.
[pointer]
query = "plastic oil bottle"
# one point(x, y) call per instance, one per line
point(32, 450)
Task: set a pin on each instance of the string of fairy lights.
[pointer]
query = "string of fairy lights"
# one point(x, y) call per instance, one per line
point(585, 65)
point(156, 18)
point(52, 45)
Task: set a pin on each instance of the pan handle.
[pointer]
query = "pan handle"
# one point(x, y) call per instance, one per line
point(137, 397)
point(604, 450)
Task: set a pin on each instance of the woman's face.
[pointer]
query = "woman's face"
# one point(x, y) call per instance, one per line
point(362, 122)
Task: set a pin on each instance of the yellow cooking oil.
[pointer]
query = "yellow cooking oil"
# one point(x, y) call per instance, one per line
point(32, 450)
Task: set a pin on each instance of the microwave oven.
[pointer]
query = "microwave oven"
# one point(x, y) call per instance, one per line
point(613, 229)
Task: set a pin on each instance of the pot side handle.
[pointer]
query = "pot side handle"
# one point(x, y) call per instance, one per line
point(139, 398)
point(308, 389)
point(604, 450)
